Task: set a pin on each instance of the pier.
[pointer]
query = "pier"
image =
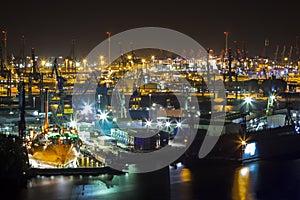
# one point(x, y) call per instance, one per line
point(73, 171)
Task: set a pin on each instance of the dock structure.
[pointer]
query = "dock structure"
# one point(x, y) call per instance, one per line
point(73, 171)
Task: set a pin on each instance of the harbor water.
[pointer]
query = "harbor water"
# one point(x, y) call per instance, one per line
point(252, 181)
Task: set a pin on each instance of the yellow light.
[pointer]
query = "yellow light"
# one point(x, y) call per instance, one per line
point(129, 57)
point(185, 175)
point(244, 142)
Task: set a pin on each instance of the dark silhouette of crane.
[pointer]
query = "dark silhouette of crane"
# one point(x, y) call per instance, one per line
point(59, 116)
point(60, 80)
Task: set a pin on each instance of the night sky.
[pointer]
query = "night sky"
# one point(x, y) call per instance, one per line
point(50, 25)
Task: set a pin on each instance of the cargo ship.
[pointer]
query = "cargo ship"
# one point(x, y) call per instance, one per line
point(54, 146)
point(268, 143)
point(59, 147)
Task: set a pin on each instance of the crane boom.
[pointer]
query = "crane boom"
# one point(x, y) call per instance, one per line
point(283, 53)
point(290, 53)
point(276, 53)
point(60, 80)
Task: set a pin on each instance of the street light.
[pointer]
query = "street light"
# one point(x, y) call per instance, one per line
point(226, 43)
point(101, 61)
point(84, 64)
point(150, 100)
point(108, 33)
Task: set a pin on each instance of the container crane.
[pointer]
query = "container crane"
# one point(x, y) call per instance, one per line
point(283, 53)
point(60, 80)
point(60, 83)
point(276, 54)
point(290, 54)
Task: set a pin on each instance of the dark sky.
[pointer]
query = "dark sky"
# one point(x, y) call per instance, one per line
point(50, 25)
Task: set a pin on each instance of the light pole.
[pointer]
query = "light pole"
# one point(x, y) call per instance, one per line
point(84, 65)
point(150, 101)
point(226, 44)
point(4, 40)
point(108, 33)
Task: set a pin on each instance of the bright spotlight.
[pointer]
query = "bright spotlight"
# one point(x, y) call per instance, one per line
point(168, 124)
point(179, 124)
point(159, 123)
point(87, 108)
point(103, 116)
point(248, 99)
point(272, 97)
point(148, 123)
point(73, 124)
point(244, 171)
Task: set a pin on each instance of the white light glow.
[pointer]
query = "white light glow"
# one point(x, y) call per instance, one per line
point(244, 171)
point(168, 124)
point(148, 123)
point(179, 124)
point(250, 149)
point(73, 124)
point(103, 115)
point(248, 99)
point(159, 123)
point(87, 108)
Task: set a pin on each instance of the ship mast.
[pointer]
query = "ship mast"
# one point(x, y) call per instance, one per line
point(46, 122)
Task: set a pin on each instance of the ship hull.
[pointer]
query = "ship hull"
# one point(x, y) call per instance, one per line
point(279, 143)
point(55, 154)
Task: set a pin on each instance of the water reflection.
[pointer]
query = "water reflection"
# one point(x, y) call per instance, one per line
point(255, 181)
point(241, 184)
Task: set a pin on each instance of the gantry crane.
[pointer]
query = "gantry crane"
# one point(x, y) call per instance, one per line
point(61, 94)
point(276, 54)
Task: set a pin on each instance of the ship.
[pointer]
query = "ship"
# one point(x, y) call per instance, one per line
point(59, 147)
point(277, 139)
point(54, 146)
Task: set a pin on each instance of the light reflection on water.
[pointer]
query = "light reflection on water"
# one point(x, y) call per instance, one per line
point(254, 181)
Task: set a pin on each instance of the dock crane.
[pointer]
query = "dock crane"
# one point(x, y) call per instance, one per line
point(297, 49)
point(60, 83)
point(290, 54)
point(60, 80)
point(276, 54)
point(4, 71)
point(283, 53)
